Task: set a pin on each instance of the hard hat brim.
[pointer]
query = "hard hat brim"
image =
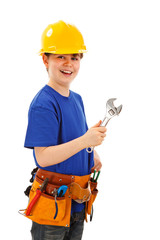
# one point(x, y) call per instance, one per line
point(40, 53)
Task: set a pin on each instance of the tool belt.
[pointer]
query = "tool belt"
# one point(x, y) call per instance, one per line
point(46, 207)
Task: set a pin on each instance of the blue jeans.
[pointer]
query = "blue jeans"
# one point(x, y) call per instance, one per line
point(49, 232)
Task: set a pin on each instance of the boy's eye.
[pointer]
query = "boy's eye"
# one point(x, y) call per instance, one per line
point(74, 58)
point(60, 57)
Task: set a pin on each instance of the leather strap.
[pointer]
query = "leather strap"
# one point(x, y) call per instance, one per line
point(55, 178)
point(79, 186)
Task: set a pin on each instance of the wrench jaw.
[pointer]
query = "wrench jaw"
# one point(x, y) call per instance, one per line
point(111, 111)
point(119, 109)
point(110, 102)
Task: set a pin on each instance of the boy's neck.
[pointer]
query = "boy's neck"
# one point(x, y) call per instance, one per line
point(63, 90)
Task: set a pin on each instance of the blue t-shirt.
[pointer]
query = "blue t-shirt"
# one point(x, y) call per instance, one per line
point(54, 119)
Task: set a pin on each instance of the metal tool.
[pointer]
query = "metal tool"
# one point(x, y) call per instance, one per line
point(111, 111)
point(94, 179)
point(94, 175)
point(59, 193)
point(97, 176)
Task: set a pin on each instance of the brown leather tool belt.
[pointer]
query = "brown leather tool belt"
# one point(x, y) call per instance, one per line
point(79, 186)
point(45, 206)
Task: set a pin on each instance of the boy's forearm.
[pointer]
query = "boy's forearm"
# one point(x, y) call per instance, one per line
point(47, 156)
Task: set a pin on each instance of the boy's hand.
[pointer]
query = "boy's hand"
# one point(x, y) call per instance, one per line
point(97, 162)
point(95, 135)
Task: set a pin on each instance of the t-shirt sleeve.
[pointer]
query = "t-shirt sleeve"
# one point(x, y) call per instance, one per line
point(43, 128)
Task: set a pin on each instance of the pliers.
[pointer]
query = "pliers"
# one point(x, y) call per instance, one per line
point(59, 193)
point(95, 179)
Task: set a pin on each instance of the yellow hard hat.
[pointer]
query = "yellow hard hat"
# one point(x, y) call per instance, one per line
point(62, 38)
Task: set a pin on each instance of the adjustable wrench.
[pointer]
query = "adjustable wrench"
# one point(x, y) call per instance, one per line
point(111, 111)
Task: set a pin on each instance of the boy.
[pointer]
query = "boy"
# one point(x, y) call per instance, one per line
point(57, 129)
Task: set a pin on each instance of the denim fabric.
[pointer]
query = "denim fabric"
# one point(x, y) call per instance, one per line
point(48, 232)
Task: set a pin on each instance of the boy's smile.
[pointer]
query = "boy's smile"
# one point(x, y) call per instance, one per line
point(66, 72)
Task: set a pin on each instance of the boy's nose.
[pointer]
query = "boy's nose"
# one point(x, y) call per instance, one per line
point(68, 62)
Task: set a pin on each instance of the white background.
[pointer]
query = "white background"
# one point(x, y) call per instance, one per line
point(123, 59)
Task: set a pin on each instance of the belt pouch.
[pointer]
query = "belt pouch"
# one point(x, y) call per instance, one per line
point(44, 210)
point(94, 192)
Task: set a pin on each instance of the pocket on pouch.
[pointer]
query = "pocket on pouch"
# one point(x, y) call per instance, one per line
point(91, 201)
point(45, 208)
point(93, 185)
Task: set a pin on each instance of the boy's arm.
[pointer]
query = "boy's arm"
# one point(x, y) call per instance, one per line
point(47, 156)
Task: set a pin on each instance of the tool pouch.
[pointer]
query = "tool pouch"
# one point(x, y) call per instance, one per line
point(94, 192)
point(47, 207)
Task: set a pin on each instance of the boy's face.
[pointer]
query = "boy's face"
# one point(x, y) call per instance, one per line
point(62, 68)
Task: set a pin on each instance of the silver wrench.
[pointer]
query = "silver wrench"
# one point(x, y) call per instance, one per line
point(111, 111)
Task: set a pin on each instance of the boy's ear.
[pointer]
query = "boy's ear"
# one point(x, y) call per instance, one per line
point(45, 60)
